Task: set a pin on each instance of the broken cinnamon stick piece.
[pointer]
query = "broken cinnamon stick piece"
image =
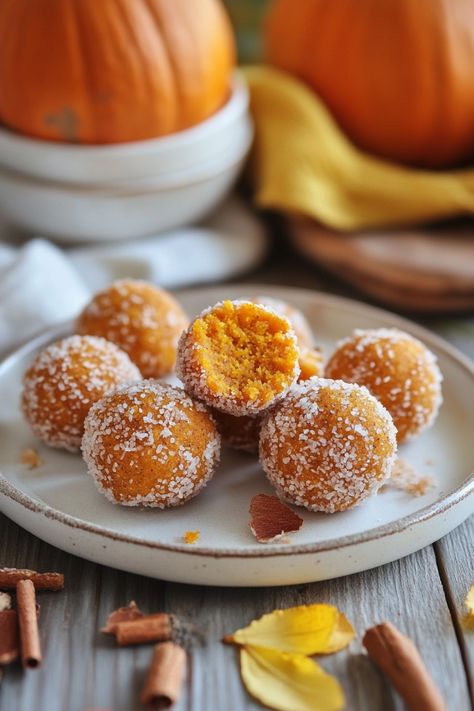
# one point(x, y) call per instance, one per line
point(28, 620)
point(9, 637)
point(399, 659)
point(123, 614)
point(149, 628)
point(165, 676)
point(9, 577)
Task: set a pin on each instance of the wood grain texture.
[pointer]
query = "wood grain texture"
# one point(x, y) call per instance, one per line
point(83, 668)
point(421, 594)
point(456, 566)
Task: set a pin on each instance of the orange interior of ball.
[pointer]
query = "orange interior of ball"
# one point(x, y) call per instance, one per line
point(247, 349)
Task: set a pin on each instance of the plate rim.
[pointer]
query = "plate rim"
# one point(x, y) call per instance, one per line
point(436, 508)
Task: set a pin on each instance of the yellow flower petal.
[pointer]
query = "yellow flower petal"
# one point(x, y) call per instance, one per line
point(306, 629)
point(468, 618)
point(289, 682)
point(469, 601)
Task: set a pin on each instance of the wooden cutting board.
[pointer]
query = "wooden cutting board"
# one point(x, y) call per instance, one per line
point(424, 270)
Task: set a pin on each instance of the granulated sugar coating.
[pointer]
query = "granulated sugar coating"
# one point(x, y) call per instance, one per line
point(328, 445)
point(146, 322)
point(398, 369)
point(65, 380)
point(299, 323)
point(149, 444)
point(239, 357)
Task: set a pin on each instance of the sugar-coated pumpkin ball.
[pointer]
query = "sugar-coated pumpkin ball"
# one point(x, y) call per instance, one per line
point(239, 357)
point(149, 444)
point(145, 321)
point(398, 369)
point(328, 445)
point(299, 323)
point(311, 363)
point(239, 432)
point(65, 380)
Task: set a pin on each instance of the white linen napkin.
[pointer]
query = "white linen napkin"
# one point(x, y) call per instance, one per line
point(42, 284)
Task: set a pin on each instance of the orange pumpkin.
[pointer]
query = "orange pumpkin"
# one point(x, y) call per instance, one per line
point(397, 75)
point(108, 71)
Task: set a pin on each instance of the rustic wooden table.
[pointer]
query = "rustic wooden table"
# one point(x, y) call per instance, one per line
point(421, 594)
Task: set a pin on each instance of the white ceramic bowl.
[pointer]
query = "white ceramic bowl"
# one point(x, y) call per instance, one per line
point(75, 214)
point(76, 193)
point(91, 165)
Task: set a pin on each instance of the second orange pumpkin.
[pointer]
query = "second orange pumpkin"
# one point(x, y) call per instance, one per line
point(396, 74)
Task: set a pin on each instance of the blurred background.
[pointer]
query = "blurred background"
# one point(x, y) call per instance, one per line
point(298, 142)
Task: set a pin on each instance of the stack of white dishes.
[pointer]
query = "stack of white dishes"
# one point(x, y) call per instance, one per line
point(128, 190)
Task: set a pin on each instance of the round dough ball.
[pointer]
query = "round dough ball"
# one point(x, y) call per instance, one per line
point(311, 363)
point(328, 445)
point(239, 432)
point(239, 357)
point(299, 323)
point(145, 321)
point(64, 381)
point(398, 369)
point(149, 444)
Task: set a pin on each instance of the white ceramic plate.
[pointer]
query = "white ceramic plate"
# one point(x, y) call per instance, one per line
point(59, 503)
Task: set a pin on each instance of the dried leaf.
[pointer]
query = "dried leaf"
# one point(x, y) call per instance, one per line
point(271, 519)
point(306, 629)
point(289, 682)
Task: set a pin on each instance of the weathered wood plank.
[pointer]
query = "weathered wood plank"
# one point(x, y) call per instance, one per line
point(455, 554)
point(83, 669)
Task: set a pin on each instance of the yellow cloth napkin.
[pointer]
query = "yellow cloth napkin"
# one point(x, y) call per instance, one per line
point(304, 164)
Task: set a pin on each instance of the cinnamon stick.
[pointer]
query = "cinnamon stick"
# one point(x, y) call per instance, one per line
point(165, 676)
point(399, 659)
point(9, 638)
point(28, 619)
point(9, 577)
point(123, 614)
point(149, 628)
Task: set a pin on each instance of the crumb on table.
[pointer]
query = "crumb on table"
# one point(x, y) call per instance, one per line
point(31, 458)
point(405, 477)
point(191, 536)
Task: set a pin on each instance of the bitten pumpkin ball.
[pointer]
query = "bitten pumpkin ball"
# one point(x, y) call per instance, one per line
point(145, 321)
point(239, 357)
point(398, 369)
point(65, 380)
point(328, 445)
point(149, 444)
